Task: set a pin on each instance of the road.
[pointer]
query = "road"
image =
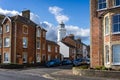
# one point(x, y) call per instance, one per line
point(53, 73)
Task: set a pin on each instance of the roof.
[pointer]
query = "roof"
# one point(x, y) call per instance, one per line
point(1, 18)
point(68, 45)
point(51, 42)
point(23, 19)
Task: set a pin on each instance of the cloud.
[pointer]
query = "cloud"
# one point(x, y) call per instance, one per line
point(57, 11)
point(6, 12)
point(51, 30)
point(83, 33)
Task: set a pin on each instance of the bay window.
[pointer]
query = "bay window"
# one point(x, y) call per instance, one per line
point(117, 2)
point(116, 23)
point(116, 54)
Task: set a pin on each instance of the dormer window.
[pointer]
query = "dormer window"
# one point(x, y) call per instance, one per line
point(7, 28)
point(117, 2)
point(38, 33)
point(101, 4)
point(25, 29)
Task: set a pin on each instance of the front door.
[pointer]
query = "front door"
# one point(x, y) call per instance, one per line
point(24, 57)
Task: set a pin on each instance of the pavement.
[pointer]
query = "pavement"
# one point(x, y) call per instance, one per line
point(53, 73)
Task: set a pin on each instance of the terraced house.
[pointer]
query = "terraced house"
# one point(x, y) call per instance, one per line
point(105, 33)
point(22, 40)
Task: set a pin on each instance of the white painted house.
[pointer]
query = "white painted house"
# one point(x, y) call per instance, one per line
point(85, 52)
point(66, 51)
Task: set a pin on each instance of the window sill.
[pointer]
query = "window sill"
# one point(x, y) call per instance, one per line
point(102, 9)
point(6, 62)
point(6, 46)
point(116, 33)
point(38, 48)
point(116, 6)
point(115, 64)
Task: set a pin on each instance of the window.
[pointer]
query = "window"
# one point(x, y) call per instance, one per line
point(56, 49)
point(0, 42)
point(0, 30)
point(25, 29)
point(25, 42)
point(106, 25)
point(116, 23)
point(6, 58)
point(116, 54)
point(38, 44)
point(107, 53)
point(43, 57)
point(38, 57)
point(49, 57)
point(6, 42)
point(101, 4)
point(117, 2)
point(49, 48)
point(7, 28)
point(38, 33)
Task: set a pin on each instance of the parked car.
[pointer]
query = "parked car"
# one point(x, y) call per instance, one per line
point(88, 61)
point(66, 62)
point(81, 61)
point(77, 62)
point(54, 62)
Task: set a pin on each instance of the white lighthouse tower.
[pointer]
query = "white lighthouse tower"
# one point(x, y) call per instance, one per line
point(61, 32)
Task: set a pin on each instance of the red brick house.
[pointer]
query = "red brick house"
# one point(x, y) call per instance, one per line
point(52, 50)
point(20, 41)
point(105, 33)
point(75, 44)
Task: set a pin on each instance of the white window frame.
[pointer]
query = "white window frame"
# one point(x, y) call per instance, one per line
point(116, 54)
point(37, 57)
point(38, 32)
point(6, 42)
point(49, 57)
point(102, 4)
point(106, 25)
point(7, 28)
point(38, 44)
point(115, 32)
point(107, 54)
point(25, 46)
point(0, 29)
point(6, 56)
point(49, 48)
point(115, 4)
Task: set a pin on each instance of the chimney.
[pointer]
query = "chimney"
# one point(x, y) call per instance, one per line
point(26, 14)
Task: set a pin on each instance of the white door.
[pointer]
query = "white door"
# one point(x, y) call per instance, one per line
point(49, 57)
point(24, 57)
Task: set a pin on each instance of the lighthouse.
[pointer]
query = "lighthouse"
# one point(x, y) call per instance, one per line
point(61, 32)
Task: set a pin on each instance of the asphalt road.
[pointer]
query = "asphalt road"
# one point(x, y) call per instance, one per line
point(53, 73)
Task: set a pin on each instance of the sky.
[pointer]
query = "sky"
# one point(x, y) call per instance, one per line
point(49, 13)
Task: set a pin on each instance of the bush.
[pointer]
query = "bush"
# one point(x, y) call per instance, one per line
point(83, 67)
point(101, 68)
point(11, 66)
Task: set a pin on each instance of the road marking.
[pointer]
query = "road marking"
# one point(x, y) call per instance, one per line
point(48, 77)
